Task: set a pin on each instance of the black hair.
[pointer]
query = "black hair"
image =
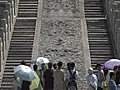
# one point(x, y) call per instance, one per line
point(49, 65)
point(72, 65)
point(35, 67)
point(111, 74)
point(23, 62)
point(59, 64)
point(55, 66)
point(68, 65)
point(98, 65)
point(115, 68)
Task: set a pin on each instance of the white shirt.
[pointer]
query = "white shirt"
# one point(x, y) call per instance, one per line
point(92, 80)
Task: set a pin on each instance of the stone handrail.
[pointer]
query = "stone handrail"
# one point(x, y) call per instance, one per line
point(112, 8)
point(8, 13)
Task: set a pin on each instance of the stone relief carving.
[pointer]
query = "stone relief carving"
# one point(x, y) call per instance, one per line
point(61, 8)
point(61, 40)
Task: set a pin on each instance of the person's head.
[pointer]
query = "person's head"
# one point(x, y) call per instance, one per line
point(98, 67)
point(68, 65)
point(43, 66)
point(119, 67)
point(35, 67)
point(90, 70)
point(55, 66)
point(112, 76)
point(23, 62)
point(72, 65)
point(59, 64)
point(115, 68)
point(49, 65)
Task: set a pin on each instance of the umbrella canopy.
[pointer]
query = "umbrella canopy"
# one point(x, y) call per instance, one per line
point(24, 73)
point(111, 63)
point(41, 60)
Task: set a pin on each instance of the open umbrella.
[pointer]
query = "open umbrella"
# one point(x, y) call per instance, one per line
point(41, 60)
point(111, 63)
point(24, 73)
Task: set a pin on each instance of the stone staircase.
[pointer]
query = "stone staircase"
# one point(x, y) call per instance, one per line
point(98, 34)
point(22, 41)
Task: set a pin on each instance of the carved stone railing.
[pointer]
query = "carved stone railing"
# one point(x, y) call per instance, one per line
point(8, 13)
point(113, 16)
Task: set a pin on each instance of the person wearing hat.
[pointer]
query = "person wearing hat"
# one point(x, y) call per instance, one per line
point(91, 80)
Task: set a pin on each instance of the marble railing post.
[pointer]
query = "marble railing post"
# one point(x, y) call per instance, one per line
point(1, 55)
point(4, 26)
point(2, 36)
point(113, 15)
point(6, 16)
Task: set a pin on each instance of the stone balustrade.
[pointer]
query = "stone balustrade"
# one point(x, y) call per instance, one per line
point(8, 13)
point(113, 16)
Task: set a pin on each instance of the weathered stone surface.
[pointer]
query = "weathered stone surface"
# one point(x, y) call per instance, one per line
point(61, 35)
point(60, 40)
point(68, 8)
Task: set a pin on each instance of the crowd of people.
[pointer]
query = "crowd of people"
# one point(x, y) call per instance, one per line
point(103, 79)
point(52, 77)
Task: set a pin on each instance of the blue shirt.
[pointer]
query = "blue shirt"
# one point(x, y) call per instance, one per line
point(112, 84)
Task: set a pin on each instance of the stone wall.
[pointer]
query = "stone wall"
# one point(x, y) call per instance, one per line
point(113, 15)
point(61, 34)
point(8, 13)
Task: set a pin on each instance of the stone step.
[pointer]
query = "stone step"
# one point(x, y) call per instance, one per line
point(8, 84)
point(6, 88)
point(100, 48)
point(18, 61)
point(98, 43)
point(94, 15)
point(24, 30)
point(100, 52)
point(27, 6)
point(23, 33)
point(27, 14)
point(24, 27)
point(25, 23)
point(97, 30)
point(23, 37)
point(17, 48)
point(29, 52)
point(27, 10)
point(19, 57)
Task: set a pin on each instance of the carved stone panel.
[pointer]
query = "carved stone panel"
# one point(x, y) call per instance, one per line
point(66, 8)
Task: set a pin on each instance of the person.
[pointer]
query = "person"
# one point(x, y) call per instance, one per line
point(55, 66)
point(92, 80)
point(48, 78)
point(112, 84)
point(17, 83)
point(71, 76)
point(59, 77)
point(117, 79)
point(100, 76)
point(23, 62)
point(35, 68)
point(25, 85)
point(42, 70)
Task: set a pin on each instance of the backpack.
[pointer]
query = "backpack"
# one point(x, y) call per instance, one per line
point(72, 80)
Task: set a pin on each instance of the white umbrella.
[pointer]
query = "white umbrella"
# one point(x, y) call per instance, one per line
point(111, 63)
point(41, 60)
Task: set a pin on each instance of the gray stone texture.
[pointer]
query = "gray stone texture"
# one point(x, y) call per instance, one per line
point(61, 34)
